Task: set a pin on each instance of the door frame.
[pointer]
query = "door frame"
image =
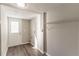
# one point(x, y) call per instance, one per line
point(44, 33)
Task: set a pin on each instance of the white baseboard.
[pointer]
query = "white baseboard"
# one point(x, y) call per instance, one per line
point(48, 54)
point(19, 44)
point(31, 43)
point(25, 43)
point(38, 49)
point(41, 51)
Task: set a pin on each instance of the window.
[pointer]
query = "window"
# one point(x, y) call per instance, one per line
point(14, 27)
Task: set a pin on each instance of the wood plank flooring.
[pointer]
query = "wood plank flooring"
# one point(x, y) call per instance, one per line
point(23, 50)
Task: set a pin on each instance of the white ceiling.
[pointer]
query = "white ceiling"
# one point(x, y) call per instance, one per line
point(19, 12)
point(60, 10)
point(39, 7)
point(45, 6)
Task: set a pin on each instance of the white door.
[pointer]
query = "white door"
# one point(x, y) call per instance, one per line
point(14, 31)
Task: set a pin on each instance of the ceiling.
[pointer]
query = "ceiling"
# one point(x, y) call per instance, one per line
point(45, 6)
point(42, 7)
point(59, 10)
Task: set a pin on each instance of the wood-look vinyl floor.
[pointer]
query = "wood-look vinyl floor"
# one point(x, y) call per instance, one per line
point(23, 50)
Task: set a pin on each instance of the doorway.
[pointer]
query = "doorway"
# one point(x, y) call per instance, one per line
point(22, 32)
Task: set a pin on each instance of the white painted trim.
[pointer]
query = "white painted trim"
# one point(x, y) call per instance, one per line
point(32, 44)
point(25, 43)
point(20, 44)
point(41, 51)
point(48, 54)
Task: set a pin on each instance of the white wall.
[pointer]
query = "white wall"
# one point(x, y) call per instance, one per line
point(62, 34)
point(33, 27)
point(36, 29)
point(26, 32)
point(4, 32)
